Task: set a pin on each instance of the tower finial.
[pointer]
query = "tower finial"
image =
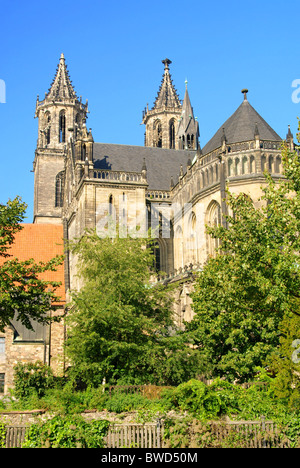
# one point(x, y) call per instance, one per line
point(166, 63)
point(244, 92)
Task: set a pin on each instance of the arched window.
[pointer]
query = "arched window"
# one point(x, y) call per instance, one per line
point(77, 124)
point(83, 152)
point(252, 164)
point(271, 164)
point(156, 256)
point(278, 165)
point(192, 244)
point(48, 128)
point(157, 134)
point(237, 166)
point(172, 134)
point(62, 127)
point(230, 167)
point(244, 165)
point(213, 219)
point(179, 258)
point(188, 140)
point(59, 189)
point(110, 210)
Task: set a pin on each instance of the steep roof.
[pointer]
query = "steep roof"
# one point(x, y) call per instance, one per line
point(61, 88)
point(161, 164)
point(167, 95)
point(242, 126)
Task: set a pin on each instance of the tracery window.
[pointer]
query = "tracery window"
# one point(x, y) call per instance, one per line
point(62, 127)
point(157, 134)
point(48, 128)
point(59, 189)
point(213, 216)
point(172, 134)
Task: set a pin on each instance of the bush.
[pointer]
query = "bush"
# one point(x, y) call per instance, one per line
point(122, 402)
point(2, 435)
point(203, 401)
point(32, 378)
point(67, 432)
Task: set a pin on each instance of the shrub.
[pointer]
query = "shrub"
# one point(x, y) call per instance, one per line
point(32, 378)
point(67, 432)
point(122, 402)
point(2, 434)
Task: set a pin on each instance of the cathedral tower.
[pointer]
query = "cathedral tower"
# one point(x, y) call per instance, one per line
point(162, 120)
point(61, 116)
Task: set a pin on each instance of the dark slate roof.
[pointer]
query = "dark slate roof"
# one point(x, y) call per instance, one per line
point(240, 127)
point(162, 164)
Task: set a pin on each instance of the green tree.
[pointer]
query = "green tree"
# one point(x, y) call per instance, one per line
point(242, 294)
point(23, 294)
point(120, 325)
point(285, 363)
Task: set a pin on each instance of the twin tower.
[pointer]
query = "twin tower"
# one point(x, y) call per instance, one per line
point(62, 116)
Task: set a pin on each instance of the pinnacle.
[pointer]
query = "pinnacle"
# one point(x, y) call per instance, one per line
point(61, 88)
point(167, 94)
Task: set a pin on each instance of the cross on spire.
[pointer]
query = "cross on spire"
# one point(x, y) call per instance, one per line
point(166, 63)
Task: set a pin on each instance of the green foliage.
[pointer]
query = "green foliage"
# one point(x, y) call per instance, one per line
point(2, 434)
point(285, 363)
point(243, 294)
point(201, 400)
point(122, 402)
point(23, 294)
point(32, 378)
point(221, 398)
point(120, 325)
point(67, 432)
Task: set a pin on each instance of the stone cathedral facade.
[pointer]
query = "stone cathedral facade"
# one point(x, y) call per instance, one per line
point(172, 184)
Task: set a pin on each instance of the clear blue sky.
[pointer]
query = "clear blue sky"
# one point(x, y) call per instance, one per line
point(114, 50)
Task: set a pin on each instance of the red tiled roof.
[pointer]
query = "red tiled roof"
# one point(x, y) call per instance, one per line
point(41, 242)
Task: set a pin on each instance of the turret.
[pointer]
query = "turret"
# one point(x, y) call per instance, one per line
point(161, 120)
point(61, 116)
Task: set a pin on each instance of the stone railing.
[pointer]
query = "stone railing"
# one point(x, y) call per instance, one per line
point(158, 195)
point(119, 176)
point(187, 270)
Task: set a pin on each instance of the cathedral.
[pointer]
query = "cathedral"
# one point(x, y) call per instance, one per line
point(172, 184)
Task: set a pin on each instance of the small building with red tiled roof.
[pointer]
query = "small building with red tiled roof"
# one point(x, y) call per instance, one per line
point(42, 242)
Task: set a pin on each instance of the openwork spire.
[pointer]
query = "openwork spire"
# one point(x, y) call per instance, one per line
point(61, 88)
point(167, 95)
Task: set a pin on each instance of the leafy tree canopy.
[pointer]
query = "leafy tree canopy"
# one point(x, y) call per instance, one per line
point(23, 294)
point(243, 293)
point(120, 325)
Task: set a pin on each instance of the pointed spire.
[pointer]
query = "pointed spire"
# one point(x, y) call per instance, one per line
point(61, 88)
point(289, 135)
point(223, 138)
point(167, 94)
point(290, 139)
point(188, 124)
point(144, 168)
